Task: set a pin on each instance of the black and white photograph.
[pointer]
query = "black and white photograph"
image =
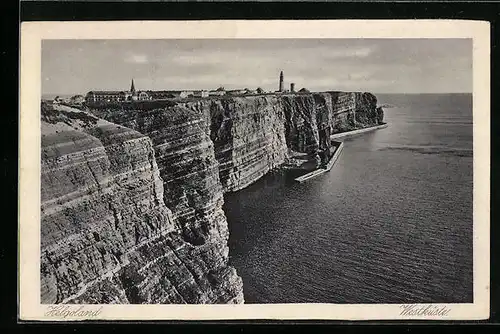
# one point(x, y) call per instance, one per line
point(257, 171)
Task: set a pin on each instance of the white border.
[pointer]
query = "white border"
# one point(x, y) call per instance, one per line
point(29, 178)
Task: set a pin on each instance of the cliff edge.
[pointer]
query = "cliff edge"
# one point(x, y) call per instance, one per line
point(107, 235)
point(132, 192)
point(249, 135)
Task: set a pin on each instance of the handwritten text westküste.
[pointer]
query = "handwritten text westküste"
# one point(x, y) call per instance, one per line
point(423, 310)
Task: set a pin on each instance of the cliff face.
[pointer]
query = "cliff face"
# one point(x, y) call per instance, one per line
point(304, 116)
point(187, 164)
point(132, 199)
point(248, 135)
point(312, 118)
point(107, 234)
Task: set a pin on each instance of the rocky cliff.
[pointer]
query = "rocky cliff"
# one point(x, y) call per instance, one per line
point(308, 114)
point(132, 206)
point(251, 135)
point(107, 235)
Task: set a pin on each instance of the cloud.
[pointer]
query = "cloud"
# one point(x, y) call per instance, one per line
point(360, 52)
point(190, 59)
point(220, 57)
point(137, 59)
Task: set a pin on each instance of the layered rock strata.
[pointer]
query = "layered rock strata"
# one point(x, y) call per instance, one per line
point(107, 235)
point(251, 135)
point(132, 206)
point(248, 136)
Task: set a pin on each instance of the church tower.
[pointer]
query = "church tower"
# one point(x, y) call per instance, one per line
point(281, 88)
point(132, 87)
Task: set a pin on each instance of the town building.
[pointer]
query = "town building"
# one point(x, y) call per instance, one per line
point(105, 96)
point(218, 92)
point(164, 94)
point(143, 96)
point(237, 92)
point(117, 96)
point(185, 93)
point(200, 93)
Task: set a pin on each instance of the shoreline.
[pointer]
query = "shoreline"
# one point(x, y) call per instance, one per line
point(338, 150)
point(358, 131)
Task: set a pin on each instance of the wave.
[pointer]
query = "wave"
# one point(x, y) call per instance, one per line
point(459, 152)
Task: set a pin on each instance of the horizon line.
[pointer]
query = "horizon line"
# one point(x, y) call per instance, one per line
point(312, 91)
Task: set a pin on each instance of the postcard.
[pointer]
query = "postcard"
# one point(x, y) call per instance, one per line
point(226, 170)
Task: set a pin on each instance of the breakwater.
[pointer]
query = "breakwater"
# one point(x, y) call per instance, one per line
point(326, 168)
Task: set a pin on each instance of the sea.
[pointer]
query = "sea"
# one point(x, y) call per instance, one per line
point(53, 96)
point(390, 223)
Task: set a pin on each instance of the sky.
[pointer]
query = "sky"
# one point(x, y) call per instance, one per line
point(374, 65)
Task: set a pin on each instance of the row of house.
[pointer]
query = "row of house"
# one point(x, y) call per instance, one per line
point(144, 95)
point(172, 94)
point(133, 95)
point(169, 94)
point(116, 96)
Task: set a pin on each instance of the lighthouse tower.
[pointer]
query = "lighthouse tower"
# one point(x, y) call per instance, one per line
point(281, 88)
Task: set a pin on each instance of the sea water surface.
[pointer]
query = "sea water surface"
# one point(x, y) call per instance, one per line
point(390, 223)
